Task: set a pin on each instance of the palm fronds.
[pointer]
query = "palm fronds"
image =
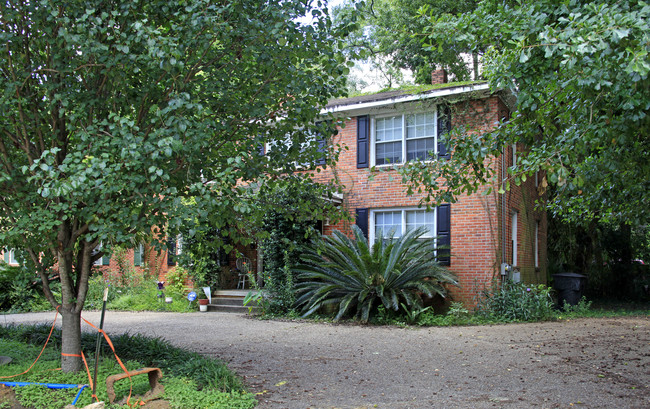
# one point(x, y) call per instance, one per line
point(356, 277)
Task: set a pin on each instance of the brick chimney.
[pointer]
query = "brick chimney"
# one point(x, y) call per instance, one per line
point(439, 77)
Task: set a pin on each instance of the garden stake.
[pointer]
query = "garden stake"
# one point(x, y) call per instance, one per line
point(99, 340)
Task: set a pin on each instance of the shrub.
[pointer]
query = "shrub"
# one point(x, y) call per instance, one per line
point(357, 278)
point(22, 290)
point(516, 302)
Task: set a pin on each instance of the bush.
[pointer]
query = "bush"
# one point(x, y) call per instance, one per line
point(356, 278)
point(22, 291)
point(516, 302)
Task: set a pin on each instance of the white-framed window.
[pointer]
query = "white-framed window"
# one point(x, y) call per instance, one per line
point(174, 249)
point(514, 221)
point(400, 220)
point(138, 256)
point(9, 256)
point(398, 138)
point(103, 260)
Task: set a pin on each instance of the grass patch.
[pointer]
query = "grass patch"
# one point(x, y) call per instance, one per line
point(190, 379)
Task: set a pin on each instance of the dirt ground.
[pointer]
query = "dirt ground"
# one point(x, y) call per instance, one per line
point(587, 363)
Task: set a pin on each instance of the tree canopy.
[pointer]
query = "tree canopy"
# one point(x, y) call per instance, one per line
point(115, 111)
point(579, 73)
point(390, 33)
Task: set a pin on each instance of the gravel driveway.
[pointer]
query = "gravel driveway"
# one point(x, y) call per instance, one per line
point(588, 363)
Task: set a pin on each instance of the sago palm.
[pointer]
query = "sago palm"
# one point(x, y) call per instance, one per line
point(357, 277)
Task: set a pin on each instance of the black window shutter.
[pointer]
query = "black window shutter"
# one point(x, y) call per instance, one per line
point(444, 127)
point(363, 142)
point(321, 140)
point(322, 145)
point(444, 234)
point(171, 252)
point(138, 256)
point(362, 220)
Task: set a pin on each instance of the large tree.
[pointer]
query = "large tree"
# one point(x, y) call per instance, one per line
point(390, 35)
point(114, 111)
point(579, 74)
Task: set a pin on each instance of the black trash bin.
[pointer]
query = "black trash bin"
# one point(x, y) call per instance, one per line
point(569, 287)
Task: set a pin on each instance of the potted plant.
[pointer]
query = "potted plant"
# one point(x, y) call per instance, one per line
point(203, 304)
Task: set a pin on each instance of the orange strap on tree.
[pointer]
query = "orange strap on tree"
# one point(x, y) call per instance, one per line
point(41, 353)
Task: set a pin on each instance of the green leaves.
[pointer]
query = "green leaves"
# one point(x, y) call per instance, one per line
point(357, 278)
point(115, 113)
point(579, 72)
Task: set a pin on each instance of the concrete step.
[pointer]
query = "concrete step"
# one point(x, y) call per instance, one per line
point(231, 301)
point(228, 300)
point(232, 308)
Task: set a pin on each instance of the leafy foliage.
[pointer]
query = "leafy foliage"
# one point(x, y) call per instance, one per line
point(114, 112)
point(579, 72)
point(611, 255)
point(516, 302)
point(356, 278)
point(21, 290)
point(204, 252)
point(191, 380)
point(389, 35)
point(288, 230)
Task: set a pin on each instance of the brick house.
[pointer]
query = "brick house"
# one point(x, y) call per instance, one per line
point(143, 257)
point(490, 236)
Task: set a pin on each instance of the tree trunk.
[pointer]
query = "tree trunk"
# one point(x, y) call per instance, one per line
point(70, 340)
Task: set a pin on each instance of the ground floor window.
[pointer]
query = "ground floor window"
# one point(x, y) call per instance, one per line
point(10, 256)
point(383, 223)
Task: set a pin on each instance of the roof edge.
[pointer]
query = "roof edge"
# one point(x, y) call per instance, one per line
point(435, 93)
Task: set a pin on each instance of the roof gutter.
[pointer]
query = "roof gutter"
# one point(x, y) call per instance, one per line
point(406, 98)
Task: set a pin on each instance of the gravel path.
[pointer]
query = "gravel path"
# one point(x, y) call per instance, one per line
point(588, 363)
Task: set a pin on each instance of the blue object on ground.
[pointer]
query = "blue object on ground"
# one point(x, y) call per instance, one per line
point(50, 386)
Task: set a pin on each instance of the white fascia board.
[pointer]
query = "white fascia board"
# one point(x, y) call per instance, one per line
point(365, 106)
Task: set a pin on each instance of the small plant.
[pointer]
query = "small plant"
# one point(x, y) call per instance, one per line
point(516, 302)
point(176, 279)
point(413, 314)
point(582, 309)
point(458, 310)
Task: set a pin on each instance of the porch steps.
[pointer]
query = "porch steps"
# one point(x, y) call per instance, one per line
point(231, 301)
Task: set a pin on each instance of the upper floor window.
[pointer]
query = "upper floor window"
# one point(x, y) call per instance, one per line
point(404, 137)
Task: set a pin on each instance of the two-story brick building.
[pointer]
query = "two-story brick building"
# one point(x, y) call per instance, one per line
point(487, 233)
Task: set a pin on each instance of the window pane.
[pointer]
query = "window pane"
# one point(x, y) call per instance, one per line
point(417, 218)
point(387, 222)
point(388, 152)
point(420, 149)
point(421, 125)
point(388, 129)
